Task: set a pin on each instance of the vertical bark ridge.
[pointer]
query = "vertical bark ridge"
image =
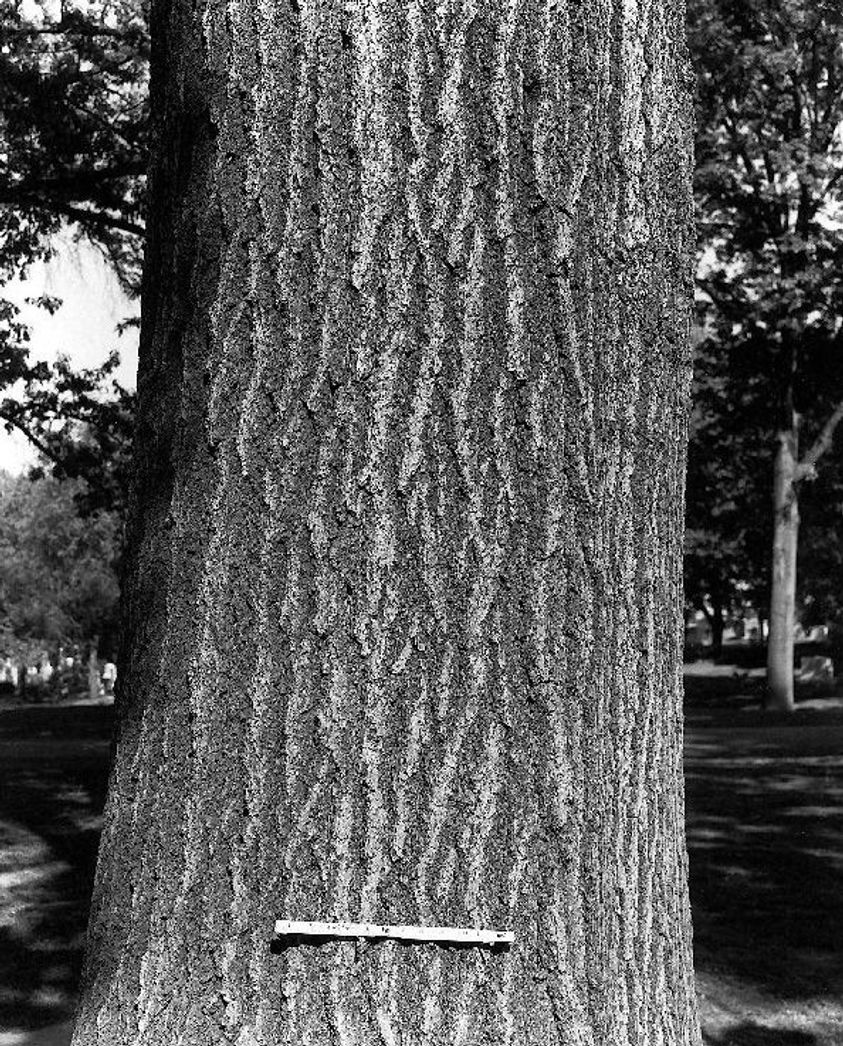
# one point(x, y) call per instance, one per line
point(404, 633)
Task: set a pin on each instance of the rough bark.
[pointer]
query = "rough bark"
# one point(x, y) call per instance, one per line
point(783, 582)
point(404, 615)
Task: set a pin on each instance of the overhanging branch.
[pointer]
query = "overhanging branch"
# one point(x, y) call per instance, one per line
point(807, 467)
point(9, 419)
point(99, 218)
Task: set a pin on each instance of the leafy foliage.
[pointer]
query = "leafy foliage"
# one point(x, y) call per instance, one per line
point(82, 424)
point(769, 190)
point(73, 118)
point(73, 98)
point(58, 579)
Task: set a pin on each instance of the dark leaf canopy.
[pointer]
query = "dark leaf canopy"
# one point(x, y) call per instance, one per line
point(769, 192)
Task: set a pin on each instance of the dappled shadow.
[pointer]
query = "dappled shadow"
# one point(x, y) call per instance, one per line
point(750, 1034)
point(727, 689)
point(765, 840)
point(729, 697)
point(53, 775)
point(765, 832)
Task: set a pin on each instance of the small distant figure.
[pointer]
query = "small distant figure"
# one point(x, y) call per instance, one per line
point(8, 677)
point(109, 677)
point(8, 671)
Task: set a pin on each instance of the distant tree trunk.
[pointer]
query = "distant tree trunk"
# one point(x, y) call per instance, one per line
point(403, 620)
point(714, 617)
point(783, 587)
point(94, 669)
point(789, 472)
point(717, 628)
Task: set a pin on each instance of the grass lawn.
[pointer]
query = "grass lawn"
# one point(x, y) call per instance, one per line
point(765, 838)
point(765, 834)
point(53, 775)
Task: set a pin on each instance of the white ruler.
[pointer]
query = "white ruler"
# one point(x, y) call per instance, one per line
point(446, 934)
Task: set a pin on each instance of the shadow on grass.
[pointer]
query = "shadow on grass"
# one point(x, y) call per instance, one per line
point(53, 776)
point(749, 1034)
point(765, 833)
point(765, 839)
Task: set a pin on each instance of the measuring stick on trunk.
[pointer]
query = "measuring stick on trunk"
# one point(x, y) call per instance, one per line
point(441, 934)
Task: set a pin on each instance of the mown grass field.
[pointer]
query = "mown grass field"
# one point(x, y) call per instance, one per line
point(764, 800)
point(765, 836)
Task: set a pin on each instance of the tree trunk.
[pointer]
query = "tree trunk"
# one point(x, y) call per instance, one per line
point(94, 669)
point(714, 617)
point(783, 588)
point(717, 627)
point(403, 616)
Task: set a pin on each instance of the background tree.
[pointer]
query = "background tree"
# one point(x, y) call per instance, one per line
point(820, 591)
point(770, 164)
point(73, 97)
point(73, 116)
point(81, 425)
point(727, 519)
point(403, 609)
point(58, 581)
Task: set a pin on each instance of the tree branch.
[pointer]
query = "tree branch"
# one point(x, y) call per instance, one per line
point(828, 187)
point(9, 419)
point(78, 180)
point(80, 214)
point(807, 467)
point(111, 221)
point(69, 24)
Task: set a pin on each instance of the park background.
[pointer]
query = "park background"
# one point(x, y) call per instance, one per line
point(764, 786)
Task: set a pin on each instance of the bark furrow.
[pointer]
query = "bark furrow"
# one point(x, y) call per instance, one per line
point(403, 617)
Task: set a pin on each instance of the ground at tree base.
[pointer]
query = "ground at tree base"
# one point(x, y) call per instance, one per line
point(736, 1015)
point(730, 1018)
point(765, 829)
